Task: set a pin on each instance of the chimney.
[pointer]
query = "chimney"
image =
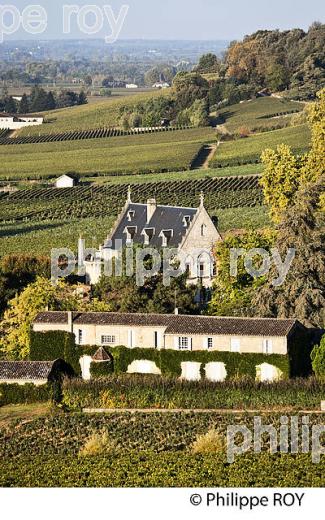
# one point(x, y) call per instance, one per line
point(151, 208)
point(176, 311)
point(70, 325)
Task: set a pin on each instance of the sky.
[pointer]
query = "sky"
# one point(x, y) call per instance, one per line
point(169, 19)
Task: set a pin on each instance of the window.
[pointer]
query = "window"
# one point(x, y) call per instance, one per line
point(267, 346)
point(108, 340)
point(130, 232)
point(235, 345)
point(201, 270)
point(156, 339)
point(148, 234)
point(131, 214)
point(186, 221)
point(203, 228)
point(209, 343)
point(183, 343)
point(80, 337)
point(166, 235)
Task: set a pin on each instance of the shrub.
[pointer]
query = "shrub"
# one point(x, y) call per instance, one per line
point(318, 359)
point(24, 394)
point(101, 369)
point(210, 442)
point(47, 346)
point(97, 444)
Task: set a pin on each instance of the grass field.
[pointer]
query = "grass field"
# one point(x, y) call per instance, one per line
point(22, 412)
point(261, 113)
point(248, 150)
point(103, 114)
point(129, 154)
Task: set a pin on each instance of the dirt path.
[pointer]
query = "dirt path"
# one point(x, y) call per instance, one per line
point(204, 157)
point(196, 410)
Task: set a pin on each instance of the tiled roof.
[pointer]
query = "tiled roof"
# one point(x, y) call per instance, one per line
point(164, 218)
point(101, 355)
point(178, 324)
point(25, 370)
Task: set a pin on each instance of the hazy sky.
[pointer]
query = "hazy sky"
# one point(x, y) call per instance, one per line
point(182, 19)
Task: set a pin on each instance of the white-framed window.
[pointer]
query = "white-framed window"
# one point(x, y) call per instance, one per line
point(184, 343)
point(131, 214)
point(209, 343)
point(108, 339)
point(234, 345)
point(80, 336)
point(267, 346)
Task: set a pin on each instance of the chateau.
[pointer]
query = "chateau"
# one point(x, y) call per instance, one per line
point(190, 231)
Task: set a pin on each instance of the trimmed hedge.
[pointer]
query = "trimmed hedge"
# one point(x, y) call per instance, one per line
point(100, 369)
point(169, 361)
point(47, 346)
point(25, 394)
point(151, 391)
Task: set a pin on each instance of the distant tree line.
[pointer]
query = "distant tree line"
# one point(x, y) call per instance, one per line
point(40, 100)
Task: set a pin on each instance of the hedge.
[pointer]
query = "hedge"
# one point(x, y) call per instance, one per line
point(169, 361)
point(150, 391)
point(47, 346)
point(100, 369)
point(25, 394)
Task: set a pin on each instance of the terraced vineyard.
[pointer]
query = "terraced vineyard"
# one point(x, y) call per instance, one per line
point(98, 133)
point(100, 201)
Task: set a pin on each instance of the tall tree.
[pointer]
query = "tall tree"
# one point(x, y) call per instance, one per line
point(24, 105)
point(302, 295)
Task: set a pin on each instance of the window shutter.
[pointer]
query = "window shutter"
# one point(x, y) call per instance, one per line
point(191, 343)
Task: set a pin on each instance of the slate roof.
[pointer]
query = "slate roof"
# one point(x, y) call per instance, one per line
point(164, 218)
point(179, 324)
point(36, 370)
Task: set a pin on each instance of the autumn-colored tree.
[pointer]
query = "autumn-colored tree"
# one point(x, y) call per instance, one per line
point(284, 173)
point(23, 308)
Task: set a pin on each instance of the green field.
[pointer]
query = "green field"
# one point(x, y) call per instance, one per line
point(103, 114)
point(258, 114)
point(248, 150)
point(129, 154)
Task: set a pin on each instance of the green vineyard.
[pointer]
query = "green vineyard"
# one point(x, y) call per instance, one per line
point(99, 201)
point(98, 133)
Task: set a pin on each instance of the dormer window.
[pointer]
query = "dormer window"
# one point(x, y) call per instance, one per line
point(130, 232)
point(131, 214)
point(148, 233)
point(186, 220)
point(166, 235)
